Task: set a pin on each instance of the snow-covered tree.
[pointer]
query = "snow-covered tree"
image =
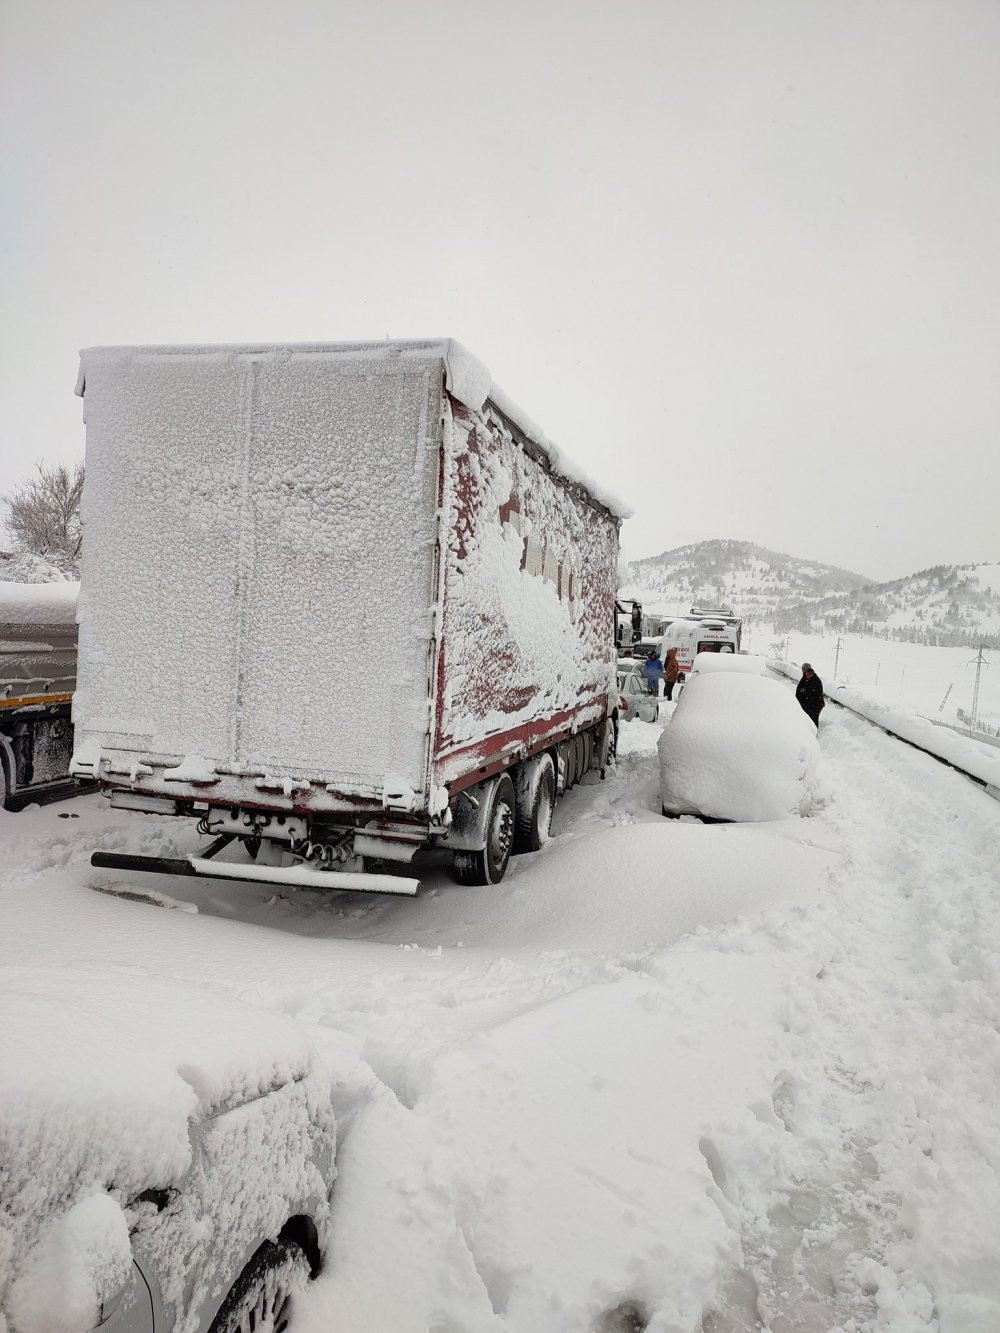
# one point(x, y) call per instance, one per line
point(44, 515)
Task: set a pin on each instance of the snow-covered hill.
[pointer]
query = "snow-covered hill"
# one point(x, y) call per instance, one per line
point(955, 605)
point(949, 605)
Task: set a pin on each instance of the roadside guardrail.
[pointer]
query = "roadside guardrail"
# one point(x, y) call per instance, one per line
point(979, 763)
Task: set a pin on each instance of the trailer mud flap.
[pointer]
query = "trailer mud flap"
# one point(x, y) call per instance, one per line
point(300, 877)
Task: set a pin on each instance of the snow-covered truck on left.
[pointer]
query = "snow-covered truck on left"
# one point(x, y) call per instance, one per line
point(37, 678)
point(270, 530)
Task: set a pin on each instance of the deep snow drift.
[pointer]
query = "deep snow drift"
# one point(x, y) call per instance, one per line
point(712, 1078)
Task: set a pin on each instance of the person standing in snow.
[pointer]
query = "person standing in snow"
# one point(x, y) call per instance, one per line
point(670, 672)
point(654, 673)
point(809, 693)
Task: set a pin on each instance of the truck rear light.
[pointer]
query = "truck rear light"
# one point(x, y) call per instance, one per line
point(623, 703)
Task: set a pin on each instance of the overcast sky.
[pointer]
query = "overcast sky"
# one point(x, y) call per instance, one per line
point(740, 260)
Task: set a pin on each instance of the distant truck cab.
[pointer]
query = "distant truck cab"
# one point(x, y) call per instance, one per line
point(37, 679)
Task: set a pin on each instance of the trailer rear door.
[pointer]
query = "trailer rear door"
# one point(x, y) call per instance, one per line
point(259, 562)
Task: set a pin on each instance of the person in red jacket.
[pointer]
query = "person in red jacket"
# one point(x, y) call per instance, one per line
point(670, 672)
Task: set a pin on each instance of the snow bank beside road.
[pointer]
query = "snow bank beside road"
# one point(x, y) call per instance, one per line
point(562, 1164)
point(982, 761)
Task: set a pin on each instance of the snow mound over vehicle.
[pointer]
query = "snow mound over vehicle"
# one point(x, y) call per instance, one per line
point(745, 664)
point(738, 747)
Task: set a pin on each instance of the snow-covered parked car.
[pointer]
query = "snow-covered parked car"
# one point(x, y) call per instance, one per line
point(738, 747)
point(635, 700)
point(166, 1158)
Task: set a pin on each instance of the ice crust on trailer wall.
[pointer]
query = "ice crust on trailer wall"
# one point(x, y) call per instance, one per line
point(100, 1078)
point(529, 598)
point(254, 524)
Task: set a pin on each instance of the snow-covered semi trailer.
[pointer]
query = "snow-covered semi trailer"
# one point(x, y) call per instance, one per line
point(339, 602)
point(37, 678)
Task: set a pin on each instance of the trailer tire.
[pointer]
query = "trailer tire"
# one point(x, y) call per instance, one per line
point(611, 737)
point(534, 816)
point(3, 782)
point(489, 864)
point(580, 744)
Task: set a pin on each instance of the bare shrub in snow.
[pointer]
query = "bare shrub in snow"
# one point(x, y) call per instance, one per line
point(44, 515)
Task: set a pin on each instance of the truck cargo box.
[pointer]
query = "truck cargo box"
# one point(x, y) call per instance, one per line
point(330, 579)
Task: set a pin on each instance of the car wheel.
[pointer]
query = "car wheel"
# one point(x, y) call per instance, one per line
point(261, 1298)
point(534, 818)
point(489, 865)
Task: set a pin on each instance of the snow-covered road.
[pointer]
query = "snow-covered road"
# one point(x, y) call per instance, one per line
point(716, 1078)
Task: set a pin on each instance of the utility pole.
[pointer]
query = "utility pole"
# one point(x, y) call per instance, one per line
point(902, 677)
point(979, 663)
point(836, 659)
point(878, 668)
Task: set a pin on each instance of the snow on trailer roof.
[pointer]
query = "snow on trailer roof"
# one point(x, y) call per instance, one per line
point(466, 378)
point(38, 603)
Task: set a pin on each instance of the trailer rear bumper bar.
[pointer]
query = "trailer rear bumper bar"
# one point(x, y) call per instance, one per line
point(290, 876)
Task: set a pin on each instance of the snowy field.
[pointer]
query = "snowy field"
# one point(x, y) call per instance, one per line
point(706, 1079)
point(911, 676)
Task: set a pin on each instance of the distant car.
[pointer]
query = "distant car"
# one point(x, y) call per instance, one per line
point(738, 747)
point(643, 647)
point(167, 1156)
point(635, 699)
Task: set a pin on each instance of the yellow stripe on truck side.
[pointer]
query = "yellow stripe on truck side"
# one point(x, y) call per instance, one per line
point(22, 701)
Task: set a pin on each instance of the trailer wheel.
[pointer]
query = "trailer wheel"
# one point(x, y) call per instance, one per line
point(3, 783)
point(489, 865)
point(534, 817)
point(610, 743)
point(580, 744)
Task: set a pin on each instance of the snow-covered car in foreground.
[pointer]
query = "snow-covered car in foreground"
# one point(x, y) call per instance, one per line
point(165, 1158)
point(738, 747)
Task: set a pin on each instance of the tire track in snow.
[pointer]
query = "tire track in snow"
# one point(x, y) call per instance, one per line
point(880, 1206)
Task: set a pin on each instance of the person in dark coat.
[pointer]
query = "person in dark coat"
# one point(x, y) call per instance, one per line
point(809, 693)
point(654, 673)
